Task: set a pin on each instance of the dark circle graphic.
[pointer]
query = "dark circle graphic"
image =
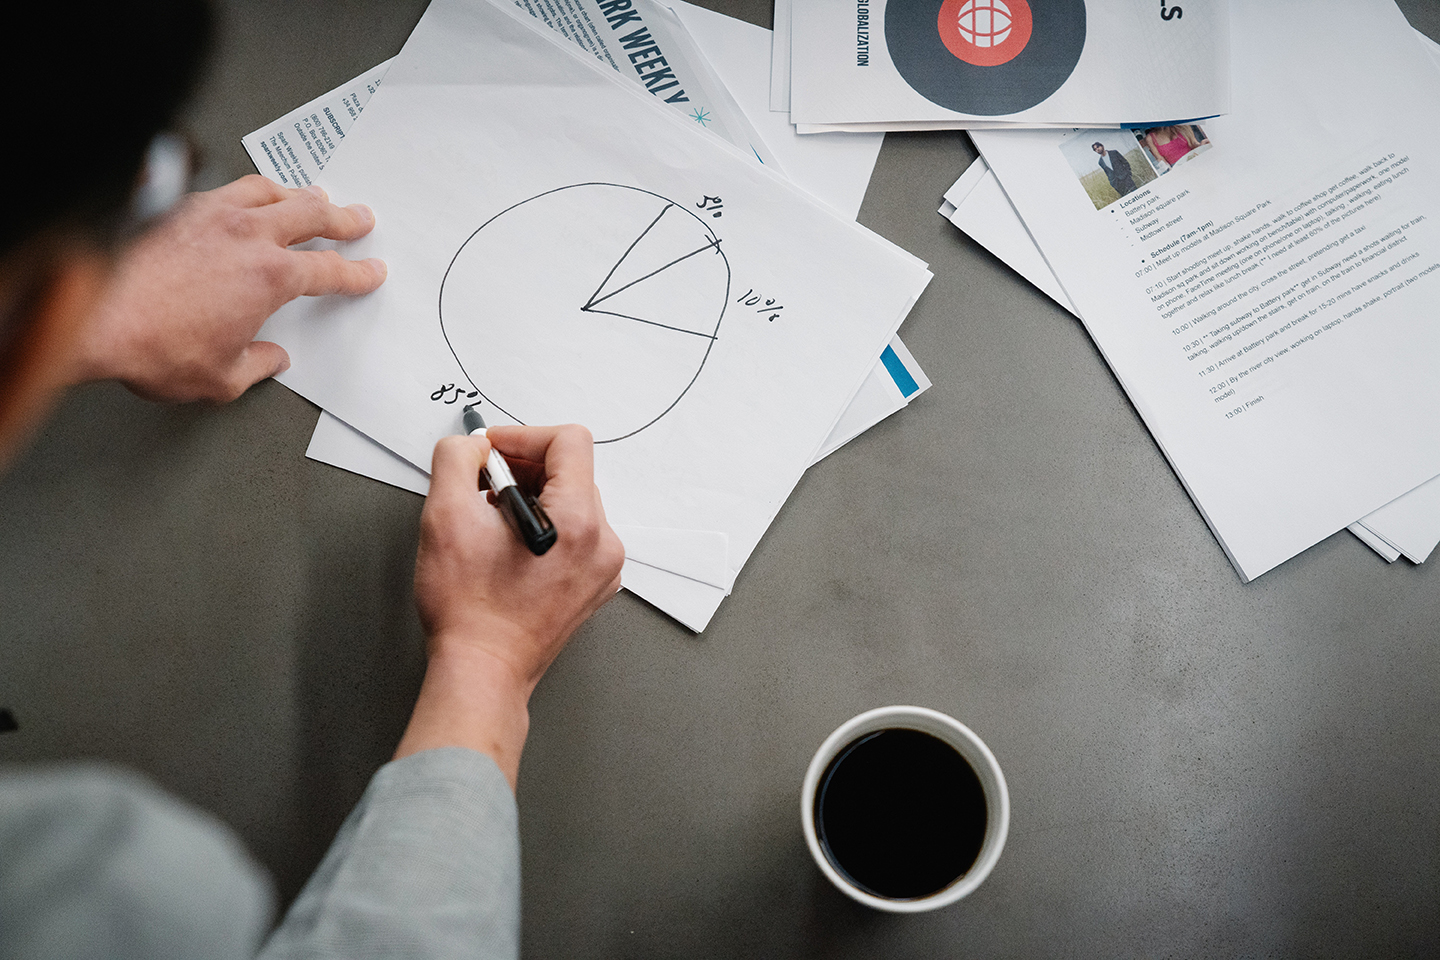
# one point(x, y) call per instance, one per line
point(594, 303)
point(916, 33)
point(986, 33)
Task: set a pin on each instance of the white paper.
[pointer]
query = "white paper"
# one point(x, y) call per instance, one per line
point(1319, 431)
point(963, 62)
point(689, 601)
point(1410, 523)
point(700, 555)
point(577, 209)
point(642, 40)
point(780, 60)
point(1375, 542)
point(883, 393)
point(835, 168)
point(337, 443)
point(892, 384)
point(642, 37)
point(984, 213)
point(923, 126)
point(980, 208)
point(964, 184)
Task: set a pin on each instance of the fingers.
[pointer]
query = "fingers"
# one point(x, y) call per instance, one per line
point(455, 466)
point(295, 216)
point(530, 475)
point(258, 361)
point(252, 191)
point(321, 272)
point(306, 214)
point(457, 503)
point(568, 451)
point(569, 493)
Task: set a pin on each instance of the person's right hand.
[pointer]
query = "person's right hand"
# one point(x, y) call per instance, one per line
point(496, 615)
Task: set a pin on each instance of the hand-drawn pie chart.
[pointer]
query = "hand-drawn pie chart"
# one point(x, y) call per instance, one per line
point(594, 303)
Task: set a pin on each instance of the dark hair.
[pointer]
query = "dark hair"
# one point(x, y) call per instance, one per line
point(103, 79)
point(1097, 143)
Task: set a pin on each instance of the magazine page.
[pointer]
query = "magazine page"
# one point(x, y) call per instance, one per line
point(955, 62)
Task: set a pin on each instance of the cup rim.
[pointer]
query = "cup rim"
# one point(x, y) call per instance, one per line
point(968, 744)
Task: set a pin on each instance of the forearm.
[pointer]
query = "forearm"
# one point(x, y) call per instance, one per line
point(470, 698)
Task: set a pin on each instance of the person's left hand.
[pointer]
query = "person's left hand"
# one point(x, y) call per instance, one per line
point(179, 320)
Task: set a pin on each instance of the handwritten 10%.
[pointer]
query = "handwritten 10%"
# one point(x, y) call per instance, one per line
point(761, 303)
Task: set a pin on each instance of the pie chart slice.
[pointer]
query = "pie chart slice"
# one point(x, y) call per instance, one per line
point(655, 282)
point(595, 304)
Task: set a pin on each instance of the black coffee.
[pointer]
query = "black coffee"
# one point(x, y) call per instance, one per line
point(900, 813)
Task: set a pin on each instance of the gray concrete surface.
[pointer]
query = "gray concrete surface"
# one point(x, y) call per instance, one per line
point(1197, 767)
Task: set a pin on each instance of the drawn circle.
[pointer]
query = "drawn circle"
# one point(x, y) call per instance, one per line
point(985, 57)
point(986, 33)
point(593, 303)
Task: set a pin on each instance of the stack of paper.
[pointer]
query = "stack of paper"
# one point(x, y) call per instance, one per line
point(997, 64)
point(571, 246)
point(1264, 289)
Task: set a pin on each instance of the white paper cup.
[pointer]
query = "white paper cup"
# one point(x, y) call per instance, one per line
point(969, 746)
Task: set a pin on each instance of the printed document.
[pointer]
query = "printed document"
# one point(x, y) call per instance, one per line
point(644, 41)
point(1263, 283)
point(295, 148)
point(978, 206)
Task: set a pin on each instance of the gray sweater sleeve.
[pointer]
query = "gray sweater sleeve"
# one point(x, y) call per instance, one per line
point(98, 862)
point(426, 865)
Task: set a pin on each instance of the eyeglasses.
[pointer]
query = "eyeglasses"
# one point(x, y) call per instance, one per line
point(169, 165)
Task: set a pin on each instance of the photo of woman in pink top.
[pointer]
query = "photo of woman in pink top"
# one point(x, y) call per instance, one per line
point(1169, 145)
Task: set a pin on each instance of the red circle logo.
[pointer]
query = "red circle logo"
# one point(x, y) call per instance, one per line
point(986, 33)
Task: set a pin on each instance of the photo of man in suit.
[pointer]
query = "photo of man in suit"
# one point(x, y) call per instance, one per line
point(1116, 168)
point(1123, 166)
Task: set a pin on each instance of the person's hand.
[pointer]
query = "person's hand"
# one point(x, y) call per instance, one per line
point(477, 584)
point(496, 615)
point(179, 320)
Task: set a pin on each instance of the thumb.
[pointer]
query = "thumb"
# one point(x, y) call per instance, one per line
point(259, 359)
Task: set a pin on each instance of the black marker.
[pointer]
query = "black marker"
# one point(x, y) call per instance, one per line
point(522, 511)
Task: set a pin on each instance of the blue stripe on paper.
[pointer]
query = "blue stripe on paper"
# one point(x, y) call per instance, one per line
point(898, 373)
